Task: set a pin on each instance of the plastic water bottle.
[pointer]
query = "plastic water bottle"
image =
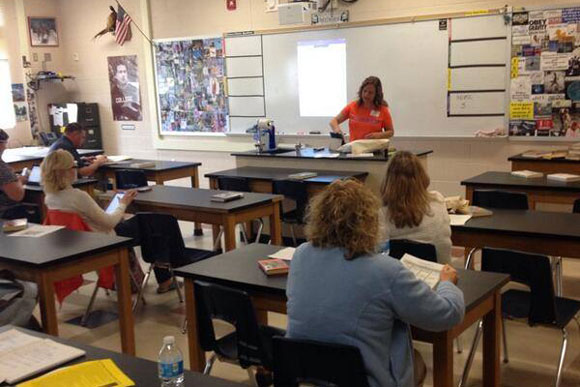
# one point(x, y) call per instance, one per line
point(170, 365)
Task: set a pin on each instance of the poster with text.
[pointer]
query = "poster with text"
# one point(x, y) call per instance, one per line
point(191, 86)
point(545, 73)
point(124, 83)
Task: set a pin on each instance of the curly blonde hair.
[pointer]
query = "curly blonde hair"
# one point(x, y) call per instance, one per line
point(345, 214)
point(404, 190)
point(55, 171)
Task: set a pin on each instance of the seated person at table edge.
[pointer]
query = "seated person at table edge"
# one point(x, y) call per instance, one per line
point(74, 137)
point(58, 174)
point(369, 116)
point(411, 211)
point(340, 290)
point(11, 186)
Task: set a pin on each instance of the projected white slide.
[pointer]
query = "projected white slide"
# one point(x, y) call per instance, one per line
point(321, 77)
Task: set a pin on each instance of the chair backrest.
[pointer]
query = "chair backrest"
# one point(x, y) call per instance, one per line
point(576, 208)
point(505, 200)
point(130, 178)
point(161, 239)
point(239, 184)
point(400, 247)
point(294, 190)
point(532, 270)
point(307, 361)
point(71, 220)
point(235, 307)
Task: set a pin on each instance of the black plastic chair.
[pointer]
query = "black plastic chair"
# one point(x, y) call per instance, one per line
point(400, 247)
point(576, 208)
point(504, 200)
point(130, 178)
point(317, 363)
point(296, 191)
point(237, 184)
point(162, 246)
point(539, 306)
point(249, 345)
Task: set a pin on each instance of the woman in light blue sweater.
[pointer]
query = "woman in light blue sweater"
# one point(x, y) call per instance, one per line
point(339, 290)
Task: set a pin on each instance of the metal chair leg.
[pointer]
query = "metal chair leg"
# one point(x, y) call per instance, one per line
point(577, 322)
point(176, 284)
point(259, 233)
point(504, 336)
point(469, 361)
point(143, 285)
point(90, 306)
point(293, 235)
point(218, 240)
point(244, 234)
point(459, 344)
point(209, 364)
point(184, 326)
point(562, 356)
point(470, 258)
point(137, 286)
point(560, 289)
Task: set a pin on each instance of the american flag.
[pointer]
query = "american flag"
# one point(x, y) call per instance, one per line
point(123, 26)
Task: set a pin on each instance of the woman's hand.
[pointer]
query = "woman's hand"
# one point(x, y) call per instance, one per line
point(448, 273)
point(374, 136)
point(128, 197)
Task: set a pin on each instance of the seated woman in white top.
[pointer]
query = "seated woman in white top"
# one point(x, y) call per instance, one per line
point(411, 211)
point(58, 174)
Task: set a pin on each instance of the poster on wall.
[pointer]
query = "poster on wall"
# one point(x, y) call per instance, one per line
point(20, 112)
point(124, 83)
point(190, 77)
point(545, 84)
point(18, 92)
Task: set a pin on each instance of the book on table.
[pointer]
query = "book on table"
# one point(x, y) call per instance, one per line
point(226, 196)
point(425, 271)
point(535, 154)
point(565, 177)
point(527, 174)
point(23, 355)
point(274, 266)
point(302, 175)
point(14, 225)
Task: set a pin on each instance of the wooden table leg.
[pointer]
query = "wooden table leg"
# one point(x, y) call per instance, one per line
point(46, 303)
point(491, 343)
point(126, 322)
point(229, 232)
point(197, 230)
point(276, 225)
point(196, 353)
point(443, 360)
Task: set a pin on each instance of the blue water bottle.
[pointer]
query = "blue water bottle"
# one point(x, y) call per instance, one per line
point(170, 365)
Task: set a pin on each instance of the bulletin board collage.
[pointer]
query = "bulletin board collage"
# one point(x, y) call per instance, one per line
point(190, 77)
point(545, 73)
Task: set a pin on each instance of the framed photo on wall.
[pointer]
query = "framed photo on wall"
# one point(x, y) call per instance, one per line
point(42, 31)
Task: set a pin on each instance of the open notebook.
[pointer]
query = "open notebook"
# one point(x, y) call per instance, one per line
point(23, 355)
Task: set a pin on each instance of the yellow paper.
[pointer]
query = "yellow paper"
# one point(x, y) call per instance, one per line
point(96, 373)
point(522, 110)
point(514, 71)
point(477, 12)
point(448, 79)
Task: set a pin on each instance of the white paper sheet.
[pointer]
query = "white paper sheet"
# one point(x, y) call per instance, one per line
point(426, 271)
point(459, 220)
point(36, 231)
point(285, 254)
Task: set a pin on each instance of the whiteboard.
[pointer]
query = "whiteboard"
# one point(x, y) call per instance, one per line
point(411, 59)
point(476, 103)
point(485, 52)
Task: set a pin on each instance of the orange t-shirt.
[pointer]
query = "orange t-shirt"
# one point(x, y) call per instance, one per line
point(362, 121)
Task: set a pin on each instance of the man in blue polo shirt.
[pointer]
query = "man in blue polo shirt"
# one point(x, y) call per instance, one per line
point(74, 137)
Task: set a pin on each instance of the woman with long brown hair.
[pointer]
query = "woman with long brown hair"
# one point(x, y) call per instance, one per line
point(341, 290)
point(411, 211)
point(369, 116)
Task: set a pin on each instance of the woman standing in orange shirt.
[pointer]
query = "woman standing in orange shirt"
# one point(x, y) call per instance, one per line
point(369, 116)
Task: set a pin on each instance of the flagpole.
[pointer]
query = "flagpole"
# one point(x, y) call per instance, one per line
point(134, 22)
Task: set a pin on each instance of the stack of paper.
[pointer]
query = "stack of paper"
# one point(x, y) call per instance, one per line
point(565, 177)
point(424, 270)
point(117, 159)
point(36, 231)
point(527, 174)
point(285, 254)
point(459, 220)
point(23, 355)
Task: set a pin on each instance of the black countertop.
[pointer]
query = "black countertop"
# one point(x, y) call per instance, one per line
point(507, 180)
point(519, 157)
point(15, 155)
point(324, 154)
